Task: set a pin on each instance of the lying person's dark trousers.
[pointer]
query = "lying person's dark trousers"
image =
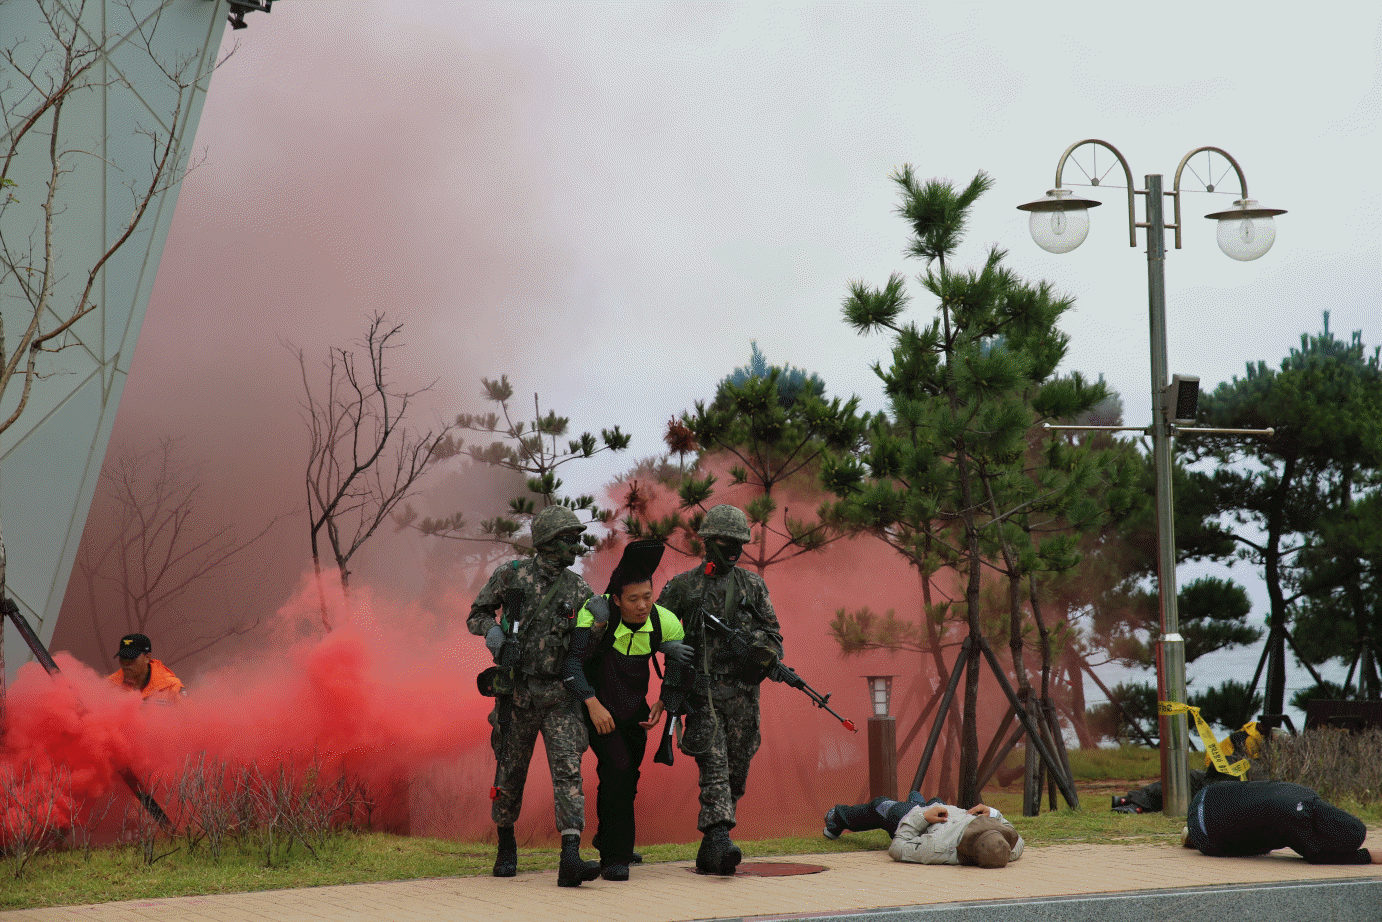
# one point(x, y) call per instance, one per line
point(1256, 817)
point(879, 813)
point(1149, 799)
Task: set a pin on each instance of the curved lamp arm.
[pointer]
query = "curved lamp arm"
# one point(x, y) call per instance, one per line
point(1127, 171)
point(1175, 186)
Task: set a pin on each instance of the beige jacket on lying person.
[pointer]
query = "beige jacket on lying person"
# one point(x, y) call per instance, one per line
point(921, 842)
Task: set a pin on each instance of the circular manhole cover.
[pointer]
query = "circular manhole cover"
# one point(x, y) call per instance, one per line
point(772, 869)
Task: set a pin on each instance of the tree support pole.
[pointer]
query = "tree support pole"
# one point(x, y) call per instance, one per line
point(916, 727)
point(1261, 662)
point(946, 699)
point(986, 777)
point(1296, 650)
point(1053, 720)
point(1116, 703)
point(1033, 732)
point(988, 765)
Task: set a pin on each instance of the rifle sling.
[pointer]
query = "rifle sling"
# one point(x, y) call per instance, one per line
point(542, 606)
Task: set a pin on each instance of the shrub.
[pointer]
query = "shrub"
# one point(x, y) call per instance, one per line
point(1338, 764)
point(34, 803)
point(1138, 699)
point(208, 801)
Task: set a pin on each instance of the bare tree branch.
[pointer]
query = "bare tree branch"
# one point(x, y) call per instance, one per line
point(155, 549)
point(47, 317)
point(362, 461)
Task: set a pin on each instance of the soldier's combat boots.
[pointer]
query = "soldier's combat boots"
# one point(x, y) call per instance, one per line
point(717, 854)
point(506, 861)
point(573, 871)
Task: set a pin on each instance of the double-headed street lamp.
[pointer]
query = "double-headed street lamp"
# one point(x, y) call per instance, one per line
point(1059, 223)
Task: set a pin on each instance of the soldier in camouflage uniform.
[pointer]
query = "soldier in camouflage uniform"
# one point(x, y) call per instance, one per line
point(546, 596)
point(722, 721)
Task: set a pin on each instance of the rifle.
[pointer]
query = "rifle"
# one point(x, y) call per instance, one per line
point(676, 685)
point(40, 652)
point(503, 680)
point(679, 680)
point(744, 648)
point(787, 676)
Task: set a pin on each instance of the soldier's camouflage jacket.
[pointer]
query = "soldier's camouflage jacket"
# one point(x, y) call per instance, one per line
point(739, 598)
point(552, 595)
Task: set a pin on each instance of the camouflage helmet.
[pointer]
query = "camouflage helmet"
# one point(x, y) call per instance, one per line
point(553, 521)
point(725, 521)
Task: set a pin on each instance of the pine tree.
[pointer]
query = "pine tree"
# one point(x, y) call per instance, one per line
point(1339, 615)
point(1291, 493)
point(771, 425)
point(1116, 605)
point(946, 478)
point(534, 449)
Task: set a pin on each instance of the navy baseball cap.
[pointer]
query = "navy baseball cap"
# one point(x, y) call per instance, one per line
point(132, 645)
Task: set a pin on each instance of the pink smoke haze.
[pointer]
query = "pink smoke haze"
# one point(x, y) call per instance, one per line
point(387, 690)
point(389, 696)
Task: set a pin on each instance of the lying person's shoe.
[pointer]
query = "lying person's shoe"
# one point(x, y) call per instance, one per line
point(834, 823)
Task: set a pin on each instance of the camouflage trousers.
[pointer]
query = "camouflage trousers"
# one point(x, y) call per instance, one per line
point(556, 714)
point(722, 735)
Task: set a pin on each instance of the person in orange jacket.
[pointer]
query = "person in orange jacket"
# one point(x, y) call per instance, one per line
point(140, 672)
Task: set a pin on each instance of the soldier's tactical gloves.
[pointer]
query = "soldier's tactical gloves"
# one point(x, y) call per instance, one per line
point(598, 606)
point(676, 652)
point(494, 640)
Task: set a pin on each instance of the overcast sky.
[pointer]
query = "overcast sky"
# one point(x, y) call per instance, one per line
point(584, 194)
point(609, 201)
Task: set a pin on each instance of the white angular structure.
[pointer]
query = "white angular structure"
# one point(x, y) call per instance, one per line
point(51, 457)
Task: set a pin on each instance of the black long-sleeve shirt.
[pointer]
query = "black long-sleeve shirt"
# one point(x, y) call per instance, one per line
point(1256, 817)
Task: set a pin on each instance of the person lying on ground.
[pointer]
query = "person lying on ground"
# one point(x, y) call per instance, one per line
point(1257, 817)
point(1245, 743)
point(931, 832)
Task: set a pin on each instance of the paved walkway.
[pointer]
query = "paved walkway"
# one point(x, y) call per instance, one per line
point(671, 892)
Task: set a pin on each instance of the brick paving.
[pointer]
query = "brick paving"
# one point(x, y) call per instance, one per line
point(672, 893)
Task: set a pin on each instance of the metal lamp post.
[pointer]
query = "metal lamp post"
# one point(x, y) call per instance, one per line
point(1059, 223)
point(882, 738)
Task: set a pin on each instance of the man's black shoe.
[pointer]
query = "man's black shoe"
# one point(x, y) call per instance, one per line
point(718, 854)
point(615, 872)
point(834, 823)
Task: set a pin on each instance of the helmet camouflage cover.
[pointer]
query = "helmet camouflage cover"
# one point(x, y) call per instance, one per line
point(725, 521)
point(553, 521)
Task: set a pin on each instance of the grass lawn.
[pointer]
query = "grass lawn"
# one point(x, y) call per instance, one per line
point(66, 878)
point(71, 878)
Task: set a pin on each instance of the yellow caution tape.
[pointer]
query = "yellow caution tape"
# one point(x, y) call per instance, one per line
point(1211, 745)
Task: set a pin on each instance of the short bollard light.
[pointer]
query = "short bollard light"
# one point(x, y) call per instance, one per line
point(880, 693)
point(882, 738)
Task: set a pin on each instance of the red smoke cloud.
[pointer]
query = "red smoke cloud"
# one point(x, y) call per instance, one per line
point(389, 696)
point(303, 215)
point(389, 689)
point(322, 191)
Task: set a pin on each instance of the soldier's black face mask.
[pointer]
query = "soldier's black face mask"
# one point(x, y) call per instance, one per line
point(564, 549)
point(721, 555)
